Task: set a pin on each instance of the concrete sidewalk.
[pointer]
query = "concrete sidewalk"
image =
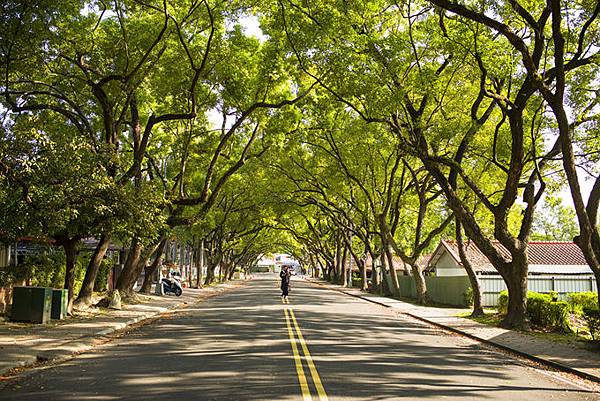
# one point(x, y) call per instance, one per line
point(564, 357)
point(24, 344)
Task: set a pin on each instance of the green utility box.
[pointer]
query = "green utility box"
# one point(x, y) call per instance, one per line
point(31, 304)
point(60, 303)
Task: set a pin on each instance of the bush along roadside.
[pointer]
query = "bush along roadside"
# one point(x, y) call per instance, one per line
point(580, 301)
point(543, 310)
point(592, 318)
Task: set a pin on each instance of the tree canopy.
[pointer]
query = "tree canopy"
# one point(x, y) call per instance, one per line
point(348, 131)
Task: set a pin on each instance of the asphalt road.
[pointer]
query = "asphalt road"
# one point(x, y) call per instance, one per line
point(248, 345)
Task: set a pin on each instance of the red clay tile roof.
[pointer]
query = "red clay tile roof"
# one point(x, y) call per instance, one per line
point(555, 253)
point(546, 253)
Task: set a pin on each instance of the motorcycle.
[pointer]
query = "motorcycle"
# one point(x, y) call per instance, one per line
point(171, 286)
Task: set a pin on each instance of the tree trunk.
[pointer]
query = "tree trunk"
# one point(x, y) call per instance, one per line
point(84, 299)
point(149, 271)
point(516, 317)
point(588, 239)
point(319, 270)
point(386, 241)
point(362, 265)
point(142, 262)
point(210, 272)
point(128, 275)
point(375, 275)
point(473, 279)
point(337, 263)
point(343, 270)
point(420, 284)
point(394, 274)
point(70, 247)
point(199, 264)
point(210, 275)
point(475, 287)
point(597, 275)
point(383, 262)
point(189, 266)
point(224, 270)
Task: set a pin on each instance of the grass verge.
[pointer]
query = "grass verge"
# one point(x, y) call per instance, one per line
point(579, 337)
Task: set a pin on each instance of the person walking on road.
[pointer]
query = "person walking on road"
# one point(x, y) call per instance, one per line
point(285, 275)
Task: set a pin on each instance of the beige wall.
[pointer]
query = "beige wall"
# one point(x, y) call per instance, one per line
point(446, 266)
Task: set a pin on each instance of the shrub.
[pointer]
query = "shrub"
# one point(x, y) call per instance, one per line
point(6, 278)
point(468, 297)
point(557, 316)
point(582, 300)
point(101, 283)
point(45, 269)
point(503, 302)
point(545, 312)
point(542, 310)
point(592, 317)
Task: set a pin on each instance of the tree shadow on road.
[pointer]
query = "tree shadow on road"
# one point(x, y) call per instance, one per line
point(236, 347)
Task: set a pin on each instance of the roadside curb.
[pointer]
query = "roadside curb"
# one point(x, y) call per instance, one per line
point(76, 346)
point(543, 361)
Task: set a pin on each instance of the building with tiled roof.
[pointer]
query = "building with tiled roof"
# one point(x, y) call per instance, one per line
point(545, 258)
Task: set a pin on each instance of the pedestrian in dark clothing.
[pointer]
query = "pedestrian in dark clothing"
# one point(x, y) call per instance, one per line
point(285, 275)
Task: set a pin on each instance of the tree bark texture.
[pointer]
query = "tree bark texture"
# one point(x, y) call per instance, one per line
point(363, 275)
point(420, 285)
point(151, 270)
point(128, 275)
point(70, 247)
point(516, 282)
point(393, 272)
point(84, 298)
point(199, 261)
point(473, 279)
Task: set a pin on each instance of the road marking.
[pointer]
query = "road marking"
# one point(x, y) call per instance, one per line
point(299, 368)
point(311, 366)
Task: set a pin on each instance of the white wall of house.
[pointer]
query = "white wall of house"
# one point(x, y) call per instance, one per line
point(446, 266)
point(560, 269)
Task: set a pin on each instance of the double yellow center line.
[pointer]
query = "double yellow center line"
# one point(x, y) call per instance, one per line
point(298, 344)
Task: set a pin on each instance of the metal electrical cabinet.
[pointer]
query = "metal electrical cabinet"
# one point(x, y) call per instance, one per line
point(60, 303)
point(31, 304)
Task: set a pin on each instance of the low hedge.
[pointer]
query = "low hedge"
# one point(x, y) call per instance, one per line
point(582, 300)
point(503, 302)
point(542, 310)
point(592, 318)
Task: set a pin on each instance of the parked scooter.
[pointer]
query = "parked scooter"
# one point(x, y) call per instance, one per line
point(171, 286)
